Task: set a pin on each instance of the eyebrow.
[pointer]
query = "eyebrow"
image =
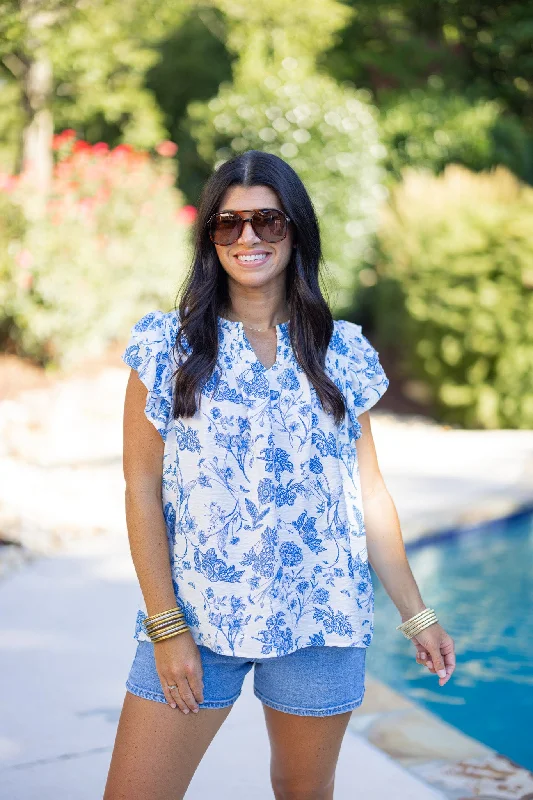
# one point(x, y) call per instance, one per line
point(242, 210)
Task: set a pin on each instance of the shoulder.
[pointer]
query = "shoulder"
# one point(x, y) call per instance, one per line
point(151, 339)
point(157, 322)
point(348, 340)
point(355, 364)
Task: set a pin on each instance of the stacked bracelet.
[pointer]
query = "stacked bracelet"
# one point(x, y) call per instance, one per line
point(166, 624)
point(422, 620)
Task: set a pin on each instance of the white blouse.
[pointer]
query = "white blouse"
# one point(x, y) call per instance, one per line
point(261, 493)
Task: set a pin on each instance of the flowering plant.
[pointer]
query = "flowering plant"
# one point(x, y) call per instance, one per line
point(109, 244)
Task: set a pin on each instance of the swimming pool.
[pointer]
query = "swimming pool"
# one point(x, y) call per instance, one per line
point(480, 583)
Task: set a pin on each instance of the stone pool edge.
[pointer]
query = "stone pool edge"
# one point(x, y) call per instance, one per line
point(436, 752)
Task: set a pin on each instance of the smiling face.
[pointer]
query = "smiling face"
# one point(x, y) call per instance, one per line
point(235, 258)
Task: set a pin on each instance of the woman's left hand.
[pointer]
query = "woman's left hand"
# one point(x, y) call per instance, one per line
point(435, 650)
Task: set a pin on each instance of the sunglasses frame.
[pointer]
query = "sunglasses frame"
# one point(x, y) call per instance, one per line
point(249, 219)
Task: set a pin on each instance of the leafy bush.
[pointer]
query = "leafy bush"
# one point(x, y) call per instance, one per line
point(326, 132)
point(430, 128)
point(12, 259)
point(455, 292)
point(110, 243)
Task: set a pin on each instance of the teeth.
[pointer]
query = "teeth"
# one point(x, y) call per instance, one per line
point(258, 257)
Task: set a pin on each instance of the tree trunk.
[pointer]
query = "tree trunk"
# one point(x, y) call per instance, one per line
point(38, 132)
point(37, 87)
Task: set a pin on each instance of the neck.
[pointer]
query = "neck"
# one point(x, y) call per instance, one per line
point(257, 316)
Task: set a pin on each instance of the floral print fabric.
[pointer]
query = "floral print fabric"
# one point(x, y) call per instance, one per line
point(261, 492)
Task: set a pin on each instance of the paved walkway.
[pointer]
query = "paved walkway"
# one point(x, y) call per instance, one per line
point(65, 649)
point(66, 633)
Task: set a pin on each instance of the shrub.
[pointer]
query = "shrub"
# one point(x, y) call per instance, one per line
point(455, 292)
point(429, 129)
point(326, 132)
point(110, 244)
point(12, 256)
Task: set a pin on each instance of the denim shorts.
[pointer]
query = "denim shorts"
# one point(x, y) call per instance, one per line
point(312, 681)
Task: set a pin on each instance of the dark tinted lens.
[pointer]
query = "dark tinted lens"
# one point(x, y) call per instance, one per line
point(225, 228)
point(270, 225)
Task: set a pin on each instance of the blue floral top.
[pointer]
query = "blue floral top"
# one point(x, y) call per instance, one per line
point(261, 492)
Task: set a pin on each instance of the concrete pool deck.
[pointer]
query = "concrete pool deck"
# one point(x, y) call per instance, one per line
point(60, 451)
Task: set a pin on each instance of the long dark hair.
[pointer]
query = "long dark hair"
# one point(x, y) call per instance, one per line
point(205, 289)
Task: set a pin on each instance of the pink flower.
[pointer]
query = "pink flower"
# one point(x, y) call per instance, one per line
point(26, 281)
point(81, 147)
point(100, 147)
point(167, 149)
point(186, 215)
point(122, 150)
point(24, 259)
point(63, 138)
point(8, 182)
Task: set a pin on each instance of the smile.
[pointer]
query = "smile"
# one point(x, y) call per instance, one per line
point(256, 258)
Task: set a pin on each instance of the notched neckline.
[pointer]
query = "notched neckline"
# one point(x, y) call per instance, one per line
point(253, 359)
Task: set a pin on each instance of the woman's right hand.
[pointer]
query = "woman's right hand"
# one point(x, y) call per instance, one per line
point(179, 663)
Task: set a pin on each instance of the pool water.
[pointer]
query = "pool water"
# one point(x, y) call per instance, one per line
point(480, 583)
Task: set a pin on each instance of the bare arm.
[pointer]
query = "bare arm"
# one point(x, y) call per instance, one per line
point(386, 553)
point(143, 467)
point(177, 658)
point(386, 550)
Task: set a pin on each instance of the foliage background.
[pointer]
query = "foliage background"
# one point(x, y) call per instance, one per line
point(370, 102)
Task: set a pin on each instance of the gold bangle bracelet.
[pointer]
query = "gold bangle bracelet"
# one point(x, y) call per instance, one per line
point(412, 627)
point(155, 625)
point(426, 612)
point(167, 626)
point(415, 633)
point(163, 614)
point(173, 633)
point(421, 621)
point(166, 634)
point(412, 631)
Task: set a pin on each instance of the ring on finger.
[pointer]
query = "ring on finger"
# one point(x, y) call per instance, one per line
point(172, 687)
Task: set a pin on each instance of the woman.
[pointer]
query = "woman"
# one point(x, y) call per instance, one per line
point(250, 466)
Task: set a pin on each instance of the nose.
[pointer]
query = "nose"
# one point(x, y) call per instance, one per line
point(248, 235)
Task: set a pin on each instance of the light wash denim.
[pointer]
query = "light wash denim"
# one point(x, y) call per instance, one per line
point(312, 681)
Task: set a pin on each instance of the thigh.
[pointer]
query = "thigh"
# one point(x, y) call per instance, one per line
point(158, 748)
point(304, 752)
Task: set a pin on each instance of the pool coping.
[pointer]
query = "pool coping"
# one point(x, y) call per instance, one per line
point(436, 752)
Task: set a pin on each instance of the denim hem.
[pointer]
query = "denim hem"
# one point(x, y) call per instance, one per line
point(311, 712)
point(160, 698)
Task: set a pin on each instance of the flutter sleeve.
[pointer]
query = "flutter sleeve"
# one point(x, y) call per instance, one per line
point(149, 352)
point(366, 381)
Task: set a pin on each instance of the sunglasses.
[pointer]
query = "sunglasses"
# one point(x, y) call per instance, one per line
point(270, 224)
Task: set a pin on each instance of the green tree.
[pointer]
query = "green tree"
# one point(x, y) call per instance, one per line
point(83, 63)
point(420, 60)
point(196, 48)
point(478, 48)
point(279, 103)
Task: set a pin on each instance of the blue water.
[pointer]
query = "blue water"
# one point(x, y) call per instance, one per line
point(480, 584)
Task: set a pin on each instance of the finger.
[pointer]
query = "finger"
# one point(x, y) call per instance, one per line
point(179, 700)
point(165, 683)
point(438, 663)
point(186, 695)
point(449, 661)
point(168, 694)
point(197, 685)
